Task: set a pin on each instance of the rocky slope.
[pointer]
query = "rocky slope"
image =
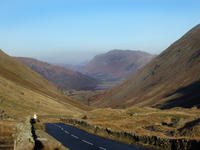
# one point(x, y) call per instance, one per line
point(169, 80)
point(63, 78)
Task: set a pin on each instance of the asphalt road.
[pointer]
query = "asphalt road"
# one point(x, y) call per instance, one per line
point(76, 139)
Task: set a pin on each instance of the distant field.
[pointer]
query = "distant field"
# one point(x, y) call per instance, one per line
point(82, 96)
point(105, 84)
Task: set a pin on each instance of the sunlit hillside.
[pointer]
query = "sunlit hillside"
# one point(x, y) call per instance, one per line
point(24, 92)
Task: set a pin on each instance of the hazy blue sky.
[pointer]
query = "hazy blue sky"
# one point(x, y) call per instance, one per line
point(66, 31)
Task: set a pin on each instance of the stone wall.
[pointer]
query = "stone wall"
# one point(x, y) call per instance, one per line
point(27, 137)
point(135, 139)
point(23, 137)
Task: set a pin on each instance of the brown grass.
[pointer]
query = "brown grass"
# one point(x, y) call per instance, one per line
point(83, 96)
point(19, 101)
point(148, 121)
point(7, 130)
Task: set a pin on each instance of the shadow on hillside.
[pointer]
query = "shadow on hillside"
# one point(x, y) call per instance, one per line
point(190, 124)
point(190, 97)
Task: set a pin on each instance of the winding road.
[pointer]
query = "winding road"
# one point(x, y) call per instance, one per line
point(76, 139)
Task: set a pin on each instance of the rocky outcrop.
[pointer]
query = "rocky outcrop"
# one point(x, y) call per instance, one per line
point(133, 138)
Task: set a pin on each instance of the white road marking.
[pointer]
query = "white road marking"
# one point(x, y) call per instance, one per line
point(78, 138)
point(66, 131)
point(102, 148)
point(87, 142)
point(58, 126)
point(74, 136)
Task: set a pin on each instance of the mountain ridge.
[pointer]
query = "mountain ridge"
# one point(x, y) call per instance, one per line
point(175, 68)
point(116, 64)
point(63, 78)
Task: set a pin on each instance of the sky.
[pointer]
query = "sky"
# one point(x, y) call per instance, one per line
point(73, 31)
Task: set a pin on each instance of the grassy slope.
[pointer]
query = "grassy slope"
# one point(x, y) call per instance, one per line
point(23, 92)
point(171, 79)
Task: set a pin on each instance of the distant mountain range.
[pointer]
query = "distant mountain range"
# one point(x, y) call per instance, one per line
point(116, 64)
point(63, 78)
point(172, 79)
point(113, 66)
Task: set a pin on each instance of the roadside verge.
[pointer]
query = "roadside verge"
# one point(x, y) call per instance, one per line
point(30, 135)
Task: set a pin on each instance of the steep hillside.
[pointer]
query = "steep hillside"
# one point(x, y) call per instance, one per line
point(169, 80)
point(63, 78)
point(24, 92)
point(116, 64)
